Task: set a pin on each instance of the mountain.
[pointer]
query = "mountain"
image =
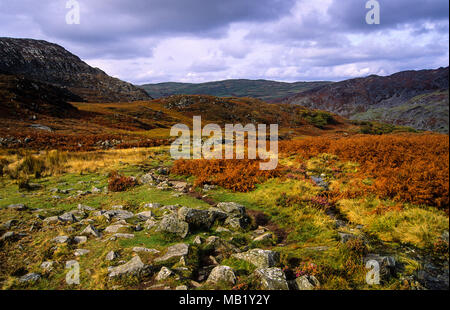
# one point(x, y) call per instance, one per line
point(50, 63)
point(260, 89)
point(410, 98)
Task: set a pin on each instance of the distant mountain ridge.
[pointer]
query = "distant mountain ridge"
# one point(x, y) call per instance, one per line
point(411, 98)
point(260, 89)
point(50, 63)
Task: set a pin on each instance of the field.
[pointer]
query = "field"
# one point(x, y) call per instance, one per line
point(335, 201)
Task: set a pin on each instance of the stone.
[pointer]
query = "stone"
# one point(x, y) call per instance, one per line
point(85, 208)
point(61, 239)
point(81, 252)
point(79, 239)
point(171, 224)
point(345, 237)
point(91, 231)
point(232, 208)
point(141, 249)
point(115, 228)
point(9, 224)
point(147, 179)
point(164, 274)
point(152, 205)
point(118, 214)
point(111, 256)
point(271, 278)
point(264, 237)
point(174, 251)
point(8, 236)
point(47, 266)
point(237, 223)
point(197, 218)
point(221, 229)
point(150, 223)
point(222, 274)
point(197, 240)
point(67, 217)
point(306, 283)
point(145, 215)
point(134, 267)
point(123, 236)
point(260, 258)
point(387, 265)
point(18, 207)
point(181, 288)
point(31, 277)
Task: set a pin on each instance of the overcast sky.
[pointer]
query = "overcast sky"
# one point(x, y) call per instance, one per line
point(205, 40)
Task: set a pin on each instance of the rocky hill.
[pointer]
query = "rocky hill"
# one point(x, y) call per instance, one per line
point(50, 63)
point(260, 89)
point(412, 98)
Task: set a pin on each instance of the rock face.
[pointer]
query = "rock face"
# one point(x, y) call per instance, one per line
point(260, 258)
point(412, 98)
point(50, 63)
point(271, 279)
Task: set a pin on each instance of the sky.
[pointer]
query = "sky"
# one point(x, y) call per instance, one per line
point(152, 41)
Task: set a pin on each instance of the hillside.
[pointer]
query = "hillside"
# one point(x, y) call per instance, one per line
point(50, 63)
point(412, 98)
point(260, 89)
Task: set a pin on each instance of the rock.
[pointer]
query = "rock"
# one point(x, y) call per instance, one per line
point(171, 224)
point(111, 256)
point(18, 207)
point(264, 237)
point(181, 288)
point(150, 223)
point(140, 249)
point(96, 190)
point(237, 223)
point(222, 274)
point(67, 217)
point(47, 266)
point(164, 274)
point(152, 205)
point(9, 224)
point(41, 127)
point(305, 283)
point(386, 263)
point(271, 278)
point(61, 239)
point(51, 220)
point(221, 229)
point(118, 214)
point(260, 258)
point(79, 239)
point(197, 240)
point(115, 228)
point(123, 236)
point(220, 246)
point(163, 171)
point(174, 251)
point(232, 208)
point(145, 215)
point(345, 237)
point(134, 267)
point(85, 208)
point(197, 218)
point(81, 252)
point(445, 236)
point(147, 179)
point(31, 277)
point(180, 186)
point(8, 236)
point(91, 231)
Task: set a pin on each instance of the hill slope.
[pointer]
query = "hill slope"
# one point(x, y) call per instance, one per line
point(413, 98)
point(50, 63)
point(260, 89)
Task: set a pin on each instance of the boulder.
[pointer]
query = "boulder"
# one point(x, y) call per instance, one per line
point(172, 224)
point(18, 207)
point(134, 267)
point(115, 228)
point(264, 237)
point(197, 218)
point(81, 252)
point(141, 249)
point(164, 274)
point(222, 274)
point(174, 251)
point(79, 239)
point(111, 256)
point(61, 239)
point(271, 278)
point(31, 277)
point(91, 231)
point(232, 208)
point(306, 283)
point(260, 258)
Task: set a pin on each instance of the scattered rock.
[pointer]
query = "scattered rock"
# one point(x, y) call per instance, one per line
point(345, 237)
point(79, 239)
point(222, 274)
point(181, 288)
point(271, 278)
point(134, 267)
point(81, 252)
point(47, 266)
point(174, 251)
point(123, 236)
point(111, 256)
point(232, 208)
point(197, 218)
point(171, 224)
point(31, 277)
point(91, 231)
point(61, 239)
point(260, 258)
point(264, 237)
point(140, 249)
point(164, 274)
point(145, 215)
point(85, 208)
point(18, 207)
point(305, 283)
point(115, 228)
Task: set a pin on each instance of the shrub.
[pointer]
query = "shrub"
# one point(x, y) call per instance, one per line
point(120, 183)
point(31, 165)
point(3, 164)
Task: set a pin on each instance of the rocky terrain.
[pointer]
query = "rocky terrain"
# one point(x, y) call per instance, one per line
point(50, 63)
point(412, 98)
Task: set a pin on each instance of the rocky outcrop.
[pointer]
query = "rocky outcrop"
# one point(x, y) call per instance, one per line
point(50, 63)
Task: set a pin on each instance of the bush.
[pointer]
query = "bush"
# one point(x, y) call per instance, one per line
point(31, 165)
point(3, 164)
point(120, 183)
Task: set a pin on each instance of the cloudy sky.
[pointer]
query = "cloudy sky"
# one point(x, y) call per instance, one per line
point(149, 41)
